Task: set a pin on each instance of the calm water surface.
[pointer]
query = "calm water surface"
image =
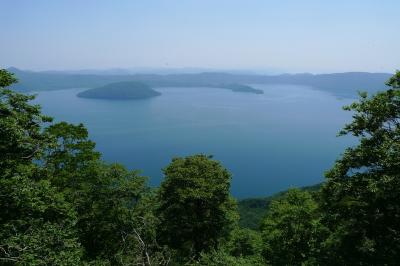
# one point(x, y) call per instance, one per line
point(283, 138)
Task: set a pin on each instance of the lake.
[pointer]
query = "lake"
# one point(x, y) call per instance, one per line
point(283, 138)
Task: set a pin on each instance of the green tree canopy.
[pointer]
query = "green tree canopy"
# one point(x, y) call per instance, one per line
point(196, 210)
point(21, 138)
point(291, 228)
point(37, 224)
point(60, 203)
point(244, 243)
point(222, 258)
point(361, 196)
point(104, 196)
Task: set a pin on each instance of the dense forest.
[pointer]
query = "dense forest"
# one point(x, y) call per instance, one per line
point(62, 205)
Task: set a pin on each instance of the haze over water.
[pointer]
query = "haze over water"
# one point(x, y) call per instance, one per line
point(282, 138)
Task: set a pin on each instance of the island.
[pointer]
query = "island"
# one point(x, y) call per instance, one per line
point(240, 88)
point(126, 90)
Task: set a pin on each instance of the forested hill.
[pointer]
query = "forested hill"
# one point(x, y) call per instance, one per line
point(128, 90)
point(253, 210)
point(342, 84)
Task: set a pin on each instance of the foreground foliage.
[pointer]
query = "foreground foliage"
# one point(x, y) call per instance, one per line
point(291, 229)
point(361, 196)
point(196, 211)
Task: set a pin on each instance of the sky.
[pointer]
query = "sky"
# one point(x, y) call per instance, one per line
point(264, 35)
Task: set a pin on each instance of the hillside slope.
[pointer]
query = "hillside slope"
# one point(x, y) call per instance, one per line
point(130, 90)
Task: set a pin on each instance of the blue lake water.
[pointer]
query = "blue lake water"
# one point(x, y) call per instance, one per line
point(283, 138)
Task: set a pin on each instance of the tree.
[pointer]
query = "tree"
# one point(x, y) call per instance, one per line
point(21, 138)
point(140, 246)
point(223, 258)
point(61, 203)
point(37, 225)
point(245, 243)
point(291, 229)
point(361, 196)
point(104, 196)
point(196, 210)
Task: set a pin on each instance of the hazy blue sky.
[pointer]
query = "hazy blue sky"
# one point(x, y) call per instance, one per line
point(295, 36)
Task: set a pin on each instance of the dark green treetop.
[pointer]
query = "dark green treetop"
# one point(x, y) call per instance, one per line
point(196, 210)
point(291, 229)
point(37, 224)
point(21, 138)
point(104, 196)
point(361, 196)
point(61, 204)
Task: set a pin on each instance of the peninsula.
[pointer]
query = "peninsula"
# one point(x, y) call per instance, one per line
point(240, 88)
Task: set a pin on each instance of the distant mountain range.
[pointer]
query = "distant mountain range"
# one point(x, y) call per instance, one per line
point(341, 84)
